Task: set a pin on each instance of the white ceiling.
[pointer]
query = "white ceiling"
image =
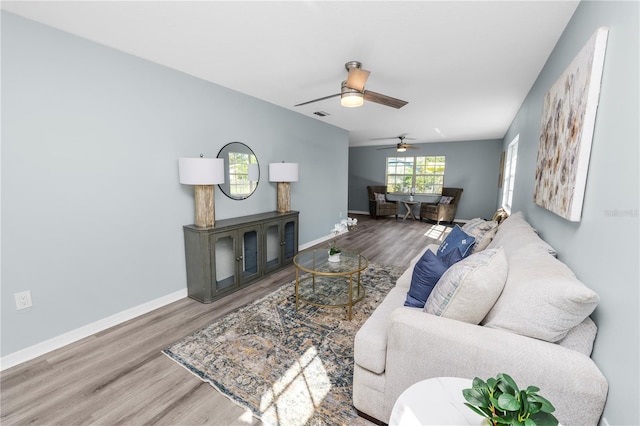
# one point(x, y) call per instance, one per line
point(464, 66)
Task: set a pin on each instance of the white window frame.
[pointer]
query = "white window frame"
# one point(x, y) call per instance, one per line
point(510, 174)
point(418, 174)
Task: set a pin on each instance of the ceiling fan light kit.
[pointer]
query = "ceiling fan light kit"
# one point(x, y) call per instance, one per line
point(350, 98)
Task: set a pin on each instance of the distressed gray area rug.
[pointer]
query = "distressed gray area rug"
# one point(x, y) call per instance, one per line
point(289, 368)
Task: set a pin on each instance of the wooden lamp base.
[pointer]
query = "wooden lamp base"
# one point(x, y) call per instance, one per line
point(284, 198)
point(205, 207)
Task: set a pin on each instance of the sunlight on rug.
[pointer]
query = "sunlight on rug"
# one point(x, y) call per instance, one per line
point(289, 368)
point(303, 387)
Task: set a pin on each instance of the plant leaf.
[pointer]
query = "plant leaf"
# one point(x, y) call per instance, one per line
point(480, 411)
point(546, 406)
point(525, 403)
point(544, 419)
point(506, 419)
point(478, 383)
point(475, 397)
point(491, 383)
point(532, 389)
point(512, 386)
point(508, 402)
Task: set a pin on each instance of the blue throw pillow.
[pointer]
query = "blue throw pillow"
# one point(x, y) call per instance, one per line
point(459, 239)
point(452, 257)
point(426, 274)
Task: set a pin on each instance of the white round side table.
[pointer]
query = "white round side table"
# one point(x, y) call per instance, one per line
point(436, 401)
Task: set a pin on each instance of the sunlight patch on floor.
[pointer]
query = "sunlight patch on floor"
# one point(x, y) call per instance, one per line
point(247, 417)
point(437, 232)
point(292, 400)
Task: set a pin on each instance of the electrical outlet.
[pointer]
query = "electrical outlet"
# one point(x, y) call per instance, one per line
point(23, 299)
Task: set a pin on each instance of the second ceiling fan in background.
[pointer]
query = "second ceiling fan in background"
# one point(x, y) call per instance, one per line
point(401, 146)
point(353, 94)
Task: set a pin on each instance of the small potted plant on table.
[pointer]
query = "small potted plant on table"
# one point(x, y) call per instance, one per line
point(345, 225)
point(501, 402)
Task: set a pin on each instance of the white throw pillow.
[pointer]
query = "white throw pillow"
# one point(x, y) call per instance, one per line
point(482, 230)
point(469, 288)
point(542, 297)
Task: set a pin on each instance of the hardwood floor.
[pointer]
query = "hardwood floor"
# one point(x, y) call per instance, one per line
point(120, 376)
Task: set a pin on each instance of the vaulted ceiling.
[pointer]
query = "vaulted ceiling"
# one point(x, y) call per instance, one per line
point(463, 66)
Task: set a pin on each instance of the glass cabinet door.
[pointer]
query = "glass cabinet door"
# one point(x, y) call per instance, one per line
point(281, 242)
point(224, 259)
point(290, 240)
point(250, 259)
point(273, 249)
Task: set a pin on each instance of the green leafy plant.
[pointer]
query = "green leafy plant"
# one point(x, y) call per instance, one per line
point(502, 403)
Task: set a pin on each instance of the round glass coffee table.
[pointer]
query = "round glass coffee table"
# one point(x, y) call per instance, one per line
point(329, 284)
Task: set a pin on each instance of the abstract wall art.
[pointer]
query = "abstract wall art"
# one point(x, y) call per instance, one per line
point(568, 120)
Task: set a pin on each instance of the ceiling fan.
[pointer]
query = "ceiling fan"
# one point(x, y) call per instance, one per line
point(401, 146)
point(352, 93)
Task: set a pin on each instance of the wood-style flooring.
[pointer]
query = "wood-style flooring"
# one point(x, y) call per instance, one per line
point(120, 376)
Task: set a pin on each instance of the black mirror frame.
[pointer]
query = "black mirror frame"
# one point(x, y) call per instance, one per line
point(224, 187)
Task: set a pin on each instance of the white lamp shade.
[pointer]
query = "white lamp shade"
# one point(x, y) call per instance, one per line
point(283, 172)
point(201, 171)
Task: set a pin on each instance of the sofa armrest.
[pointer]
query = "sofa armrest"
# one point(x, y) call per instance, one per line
point(422, 346)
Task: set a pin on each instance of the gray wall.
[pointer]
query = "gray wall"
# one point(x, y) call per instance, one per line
point(602, 249)
point(471, 165)
point(92, 210)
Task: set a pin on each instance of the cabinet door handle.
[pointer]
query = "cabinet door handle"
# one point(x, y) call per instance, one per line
point(238, 259)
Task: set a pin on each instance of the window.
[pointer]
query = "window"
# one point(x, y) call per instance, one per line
point(510, 174)
point(417, 175)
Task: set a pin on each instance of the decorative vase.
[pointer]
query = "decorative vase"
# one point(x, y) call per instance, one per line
point(334, 257)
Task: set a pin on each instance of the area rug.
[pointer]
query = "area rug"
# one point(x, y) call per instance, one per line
point(289, 368)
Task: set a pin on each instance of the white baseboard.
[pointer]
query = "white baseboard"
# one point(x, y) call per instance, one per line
point(57, 342)
point(314, 242)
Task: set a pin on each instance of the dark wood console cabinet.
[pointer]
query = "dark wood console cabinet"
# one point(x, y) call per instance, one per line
point(237, 252)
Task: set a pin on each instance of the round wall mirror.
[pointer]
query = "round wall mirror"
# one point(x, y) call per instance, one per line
point(241, 171)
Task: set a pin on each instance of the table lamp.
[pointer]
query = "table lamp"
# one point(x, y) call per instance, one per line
point(283, 173)
point(204, 173)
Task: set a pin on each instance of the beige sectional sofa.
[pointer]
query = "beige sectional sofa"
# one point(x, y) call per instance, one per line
point(538, 331)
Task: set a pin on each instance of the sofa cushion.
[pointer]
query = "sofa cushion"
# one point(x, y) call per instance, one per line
point(516, 234)
point(468, 290)
point(426, 273)
point(379, 197)
point(542, 297)
point(581, 337)
point(370, 343)
point(457, 238)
